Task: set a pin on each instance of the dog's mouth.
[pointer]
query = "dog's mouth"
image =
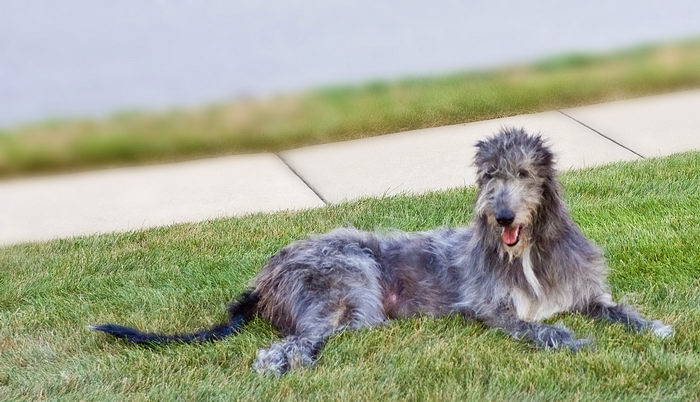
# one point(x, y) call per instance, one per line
point(511, 235)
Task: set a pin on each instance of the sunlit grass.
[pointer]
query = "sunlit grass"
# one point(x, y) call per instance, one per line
point(643, 214)
point(346, 112)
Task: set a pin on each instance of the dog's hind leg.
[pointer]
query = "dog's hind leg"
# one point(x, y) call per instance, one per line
point(292, 352)
point(605, 309)
point(301, 345)
point(300, 349)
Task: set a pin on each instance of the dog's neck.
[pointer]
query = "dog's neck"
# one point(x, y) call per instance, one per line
point(519, 264)
point(551, 217)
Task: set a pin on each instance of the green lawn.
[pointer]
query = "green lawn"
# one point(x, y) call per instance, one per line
point(338, 113)
point(644, 214)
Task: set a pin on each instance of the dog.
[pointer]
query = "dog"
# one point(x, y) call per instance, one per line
point(522, 260)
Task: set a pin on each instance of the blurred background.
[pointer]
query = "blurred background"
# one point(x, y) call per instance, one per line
point(95, 83)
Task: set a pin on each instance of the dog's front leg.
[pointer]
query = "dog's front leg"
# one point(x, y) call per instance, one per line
point(604, 309)
point(542, 335)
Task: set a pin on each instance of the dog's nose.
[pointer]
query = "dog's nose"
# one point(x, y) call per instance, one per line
point(505, 217)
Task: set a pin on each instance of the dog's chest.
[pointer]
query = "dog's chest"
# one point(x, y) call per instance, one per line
point(529, 308)
point(537, 303)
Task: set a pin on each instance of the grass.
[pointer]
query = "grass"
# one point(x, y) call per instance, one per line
point(340, 113)
point(644, 214)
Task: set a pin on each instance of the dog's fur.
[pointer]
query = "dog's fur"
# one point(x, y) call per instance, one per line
point(349, 279)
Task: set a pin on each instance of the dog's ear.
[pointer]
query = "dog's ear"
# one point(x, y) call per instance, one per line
point(544, 157)
point(484, 150)
point(481, 145)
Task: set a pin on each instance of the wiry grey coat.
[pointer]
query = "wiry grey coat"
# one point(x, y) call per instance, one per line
point(522, 260)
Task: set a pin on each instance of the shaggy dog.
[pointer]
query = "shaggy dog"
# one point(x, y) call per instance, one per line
point(522, 260)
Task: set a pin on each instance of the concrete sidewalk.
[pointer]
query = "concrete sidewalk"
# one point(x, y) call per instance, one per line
point(412, 162)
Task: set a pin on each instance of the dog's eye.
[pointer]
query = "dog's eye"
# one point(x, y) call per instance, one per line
point(488, 176)
point(522, 173)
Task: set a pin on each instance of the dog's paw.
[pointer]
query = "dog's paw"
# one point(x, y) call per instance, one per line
point(661, 330)
point(575, 345)
point(271, 361)
point(560, 337)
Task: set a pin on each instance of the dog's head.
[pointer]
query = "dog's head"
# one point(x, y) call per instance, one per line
point(513, 169)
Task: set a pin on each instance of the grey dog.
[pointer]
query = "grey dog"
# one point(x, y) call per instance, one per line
point(522, 260)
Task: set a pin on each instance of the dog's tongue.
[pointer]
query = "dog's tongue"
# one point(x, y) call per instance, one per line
point(510, 234)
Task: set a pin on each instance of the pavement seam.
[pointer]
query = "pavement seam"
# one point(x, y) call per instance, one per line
point(601, 134)
point(297, 174)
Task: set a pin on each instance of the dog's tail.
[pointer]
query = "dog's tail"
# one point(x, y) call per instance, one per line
point(239, 312)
